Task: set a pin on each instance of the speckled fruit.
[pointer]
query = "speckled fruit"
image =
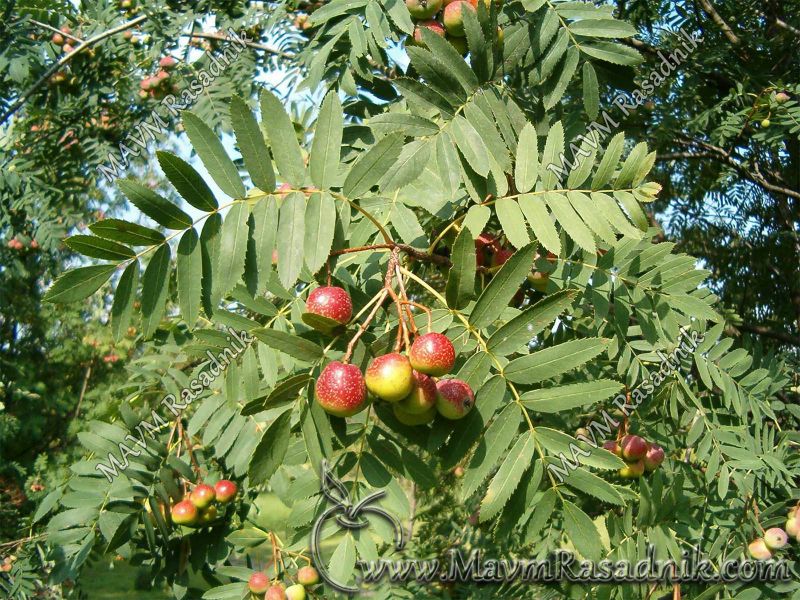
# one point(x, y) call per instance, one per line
point(454, 398)
point(423, 9)
point(432, 354)
point(390, 377)
point(454, 17)
point(307, 576)
point(632, 470)
point(758, 550)
point(340, 389)
point(275, 592)
point(258, 582)
point(422, 398)
point(653, 458)
point(431, 25)
point(225, 490)
point(202, 495)
point(331, 302)
point(407, 418)
point(184, 513)
point(633, 448)
point(296, 592)
point(775, 538)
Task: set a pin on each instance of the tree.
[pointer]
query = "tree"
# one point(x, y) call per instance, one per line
point(440, 198)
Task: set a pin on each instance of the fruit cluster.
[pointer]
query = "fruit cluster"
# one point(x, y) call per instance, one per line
point(776, 538)
point(158, 85)
point(444, 18)
point(199, 508)
point(407, 382)
point(641, 455)
point(259, 584)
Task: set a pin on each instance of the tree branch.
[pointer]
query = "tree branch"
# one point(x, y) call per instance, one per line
point(769, 333)
point(64, 60)
point(256, 45)
point(715, 16)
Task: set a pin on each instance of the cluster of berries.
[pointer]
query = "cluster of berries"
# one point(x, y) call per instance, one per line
point(641, 455)
point(776, 538)
point(259, 585)
point(199, 508)
point(445, 18)
point(158, 84)
point(407, 382)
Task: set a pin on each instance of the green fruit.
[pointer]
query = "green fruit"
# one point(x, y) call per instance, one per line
point(766, 123)
point(422, 398)
point(407, 418)
point(775, 538)
point(423, 9)
point(758, 550)
point(390, 377)
point(208, 515)
point(295, 592)
point(632, 470)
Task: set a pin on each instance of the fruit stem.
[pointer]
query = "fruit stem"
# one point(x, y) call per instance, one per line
point(363, 327)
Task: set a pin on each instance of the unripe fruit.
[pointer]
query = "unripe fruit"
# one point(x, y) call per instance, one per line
point(454, 398)
point(209, 515)
point(781, 97)
point(295, 592)
point(460, 44)
point(307, 576)
point(430, 25)
point(184, 513)
point(202, 495)
point(454, 17)
point(538, 280)
point(225, 491)
point(432, 354)
point(330, 302)
point(390, 377)
point(423, 9)
point(632, 470)
point(458, 472)
point(258, 582)
point(775, 538)
point(633, 448)
point(792, 527)
point(422, 398)
point(653, 458)
point(340, 389)
point(275, 592)
point(758, 550)
point(412, 419)
point(501, 36)
point(766, 123)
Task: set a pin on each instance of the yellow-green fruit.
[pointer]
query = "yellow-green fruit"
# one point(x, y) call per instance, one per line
point(407, 418)
point(390, 377)
point(422, 398)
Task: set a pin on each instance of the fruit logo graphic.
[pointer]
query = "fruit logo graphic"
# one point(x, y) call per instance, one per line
point(348, 516)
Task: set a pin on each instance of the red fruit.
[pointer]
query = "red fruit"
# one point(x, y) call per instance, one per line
point(258, 582)
point(307, 576)
point(340, 389)
point(167, 62)
point(331, 302)
point(653, 458)
point(454, 398)
point(432, 354)
point(57, 39)
point(423, 396)
point(145, 83)
point(483, 240)
point(67, 48)
point(423, 9)
point(225, 491)
point(161, 75)
point(431, 25)
point(632, 470)
point(633, 447)
point(66, 29)
point(454, 17)
point(758, 549)
point(275, 592)
point(390, 377)
point(501, 256)
point(184, 513)
point(612, 446)
point(202, 495)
